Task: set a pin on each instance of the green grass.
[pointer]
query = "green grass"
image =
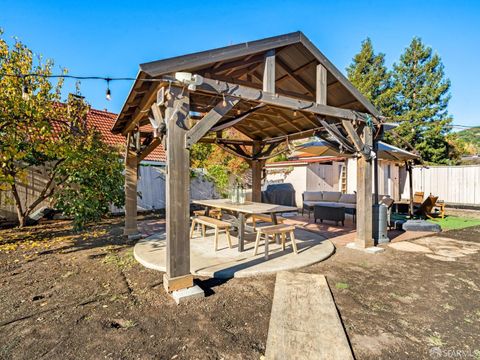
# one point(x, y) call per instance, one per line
point(448, 223)
point(341, 285)
point(454, 222)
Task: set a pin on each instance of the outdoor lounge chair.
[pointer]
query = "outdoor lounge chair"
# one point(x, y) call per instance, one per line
point(418, 197)
point(426, 209)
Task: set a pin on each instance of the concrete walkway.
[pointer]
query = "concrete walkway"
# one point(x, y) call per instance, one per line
point(304, 323)
point(227, 263)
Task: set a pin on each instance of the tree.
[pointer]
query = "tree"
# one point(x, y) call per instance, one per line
point(422, 96)
point(370, 76)
point(218, 164)
point(39, 130)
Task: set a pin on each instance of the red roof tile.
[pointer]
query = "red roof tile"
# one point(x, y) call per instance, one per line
point(103, 121)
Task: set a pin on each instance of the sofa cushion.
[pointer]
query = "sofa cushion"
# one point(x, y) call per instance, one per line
point(311, 203)
point(331, 195)
point(348, 198)
point(313, 196)
point(329, 203)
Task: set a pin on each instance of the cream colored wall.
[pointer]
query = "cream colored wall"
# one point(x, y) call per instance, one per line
point(322, 177)
point(386, 185)
point(295, 175)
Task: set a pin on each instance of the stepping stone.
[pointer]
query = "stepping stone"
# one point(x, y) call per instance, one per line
point(304, 322)
point(421, 225)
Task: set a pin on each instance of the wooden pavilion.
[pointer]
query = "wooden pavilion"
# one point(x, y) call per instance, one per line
point(272, 90)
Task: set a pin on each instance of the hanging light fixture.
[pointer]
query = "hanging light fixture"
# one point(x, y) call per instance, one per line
point(108, 94)
point(25, 94)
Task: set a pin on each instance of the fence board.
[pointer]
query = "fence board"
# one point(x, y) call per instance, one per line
point(151, 188)
point(453, 184)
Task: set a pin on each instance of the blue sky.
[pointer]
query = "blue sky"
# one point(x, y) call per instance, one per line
point(110, 38)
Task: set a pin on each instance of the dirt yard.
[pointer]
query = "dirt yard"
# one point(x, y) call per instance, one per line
point(82, 295)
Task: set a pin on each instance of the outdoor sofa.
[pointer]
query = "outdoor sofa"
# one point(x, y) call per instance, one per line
point(333, 198)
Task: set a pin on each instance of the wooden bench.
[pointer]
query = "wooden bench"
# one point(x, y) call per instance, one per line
point(273, 230)
point(264, 218)
point(214, 213)
point(216, 224)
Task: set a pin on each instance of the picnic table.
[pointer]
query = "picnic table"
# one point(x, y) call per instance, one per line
point(242, 211)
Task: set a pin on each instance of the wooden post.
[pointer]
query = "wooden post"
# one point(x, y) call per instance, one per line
point(375, 171)
point(364, 237)
point(257, 166)
point(410, 187)
point(321, 94)
point(269, 72)
point(131, 167)
point(177, 192)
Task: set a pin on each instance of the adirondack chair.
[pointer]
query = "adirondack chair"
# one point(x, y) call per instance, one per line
point(418, 197)
point(427, 207)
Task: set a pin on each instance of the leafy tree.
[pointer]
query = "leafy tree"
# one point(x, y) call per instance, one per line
point(93, 180)
point(370, 76)
point(219, 164)
point(422, 96)
point(38, 130)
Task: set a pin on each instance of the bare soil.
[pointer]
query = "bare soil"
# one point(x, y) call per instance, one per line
point(67, 295)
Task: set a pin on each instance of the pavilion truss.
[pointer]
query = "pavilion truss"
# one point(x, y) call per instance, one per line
point(272, 91)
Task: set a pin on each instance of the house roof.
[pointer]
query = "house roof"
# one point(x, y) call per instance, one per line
point(296, 60)
point(103, 122)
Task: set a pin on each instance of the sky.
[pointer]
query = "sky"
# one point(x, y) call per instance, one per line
point(111, 38)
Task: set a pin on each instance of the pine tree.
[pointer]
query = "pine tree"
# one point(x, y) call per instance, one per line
point(422, 95)
point(370, 76)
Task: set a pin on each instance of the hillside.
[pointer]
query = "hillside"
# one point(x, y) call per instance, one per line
point(470, 136)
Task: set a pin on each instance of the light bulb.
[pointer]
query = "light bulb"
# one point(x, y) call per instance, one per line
point(224, 102)
point(25, 94)
point(108, 94)
point(295, 113)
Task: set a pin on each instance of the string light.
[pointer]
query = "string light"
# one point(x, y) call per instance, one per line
point(224, 102)
point(25, 94)
point(108, 94)
point(295, 113)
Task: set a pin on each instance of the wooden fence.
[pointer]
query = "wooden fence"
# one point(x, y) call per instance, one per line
point(453, 184)
point(151, 190)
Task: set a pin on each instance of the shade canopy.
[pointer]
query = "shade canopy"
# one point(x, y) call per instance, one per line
point(326, 148)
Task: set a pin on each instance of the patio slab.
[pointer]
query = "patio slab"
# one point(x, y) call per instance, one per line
point(227, 263)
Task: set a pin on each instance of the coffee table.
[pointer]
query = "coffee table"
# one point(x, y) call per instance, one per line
point(329, 212)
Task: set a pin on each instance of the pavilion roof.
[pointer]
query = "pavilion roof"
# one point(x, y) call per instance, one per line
point(295, 76)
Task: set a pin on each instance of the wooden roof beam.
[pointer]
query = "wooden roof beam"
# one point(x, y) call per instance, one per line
point(141, 110)
point(256, 95)
point(321, 85)
point(269, 72)
point(209, 120)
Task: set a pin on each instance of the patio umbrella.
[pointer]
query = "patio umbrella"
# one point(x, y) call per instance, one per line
point(324, 148)
point(317, 148)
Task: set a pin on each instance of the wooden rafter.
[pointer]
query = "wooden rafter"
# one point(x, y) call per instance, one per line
point(295, 78)
point(232, 121)
point(140, 112)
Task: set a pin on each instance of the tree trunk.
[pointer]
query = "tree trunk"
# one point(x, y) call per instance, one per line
point(47, 191)
point(22, 219)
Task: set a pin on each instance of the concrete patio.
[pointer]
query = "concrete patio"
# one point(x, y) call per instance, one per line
point(229, 262)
